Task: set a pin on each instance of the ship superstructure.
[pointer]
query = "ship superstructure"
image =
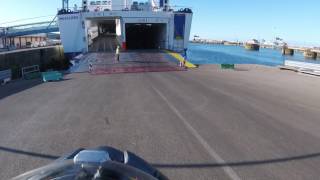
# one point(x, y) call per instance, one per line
point(130, 24)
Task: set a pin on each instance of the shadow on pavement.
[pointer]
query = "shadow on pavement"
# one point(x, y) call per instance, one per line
point(237, 164)
point(240, 69)
point(17, 151)
point(61, 80)
point(17, 86)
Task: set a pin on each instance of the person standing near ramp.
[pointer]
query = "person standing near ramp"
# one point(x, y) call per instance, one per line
point(118, 54)
point(185, 57)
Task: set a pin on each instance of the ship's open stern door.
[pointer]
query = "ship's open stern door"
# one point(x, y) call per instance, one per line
point(146, 36)
point(102, 35)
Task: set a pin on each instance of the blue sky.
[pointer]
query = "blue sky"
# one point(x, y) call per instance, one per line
point(296, 21)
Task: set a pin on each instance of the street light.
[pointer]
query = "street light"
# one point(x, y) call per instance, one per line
point(65, 4)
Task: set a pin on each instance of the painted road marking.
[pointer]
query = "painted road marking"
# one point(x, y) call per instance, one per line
point(228, 170)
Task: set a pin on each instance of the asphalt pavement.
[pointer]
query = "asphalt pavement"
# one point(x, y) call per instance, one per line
point(254, 122)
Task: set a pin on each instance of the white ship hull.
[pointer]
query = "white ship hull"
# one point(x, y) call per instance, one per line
point(170, 30)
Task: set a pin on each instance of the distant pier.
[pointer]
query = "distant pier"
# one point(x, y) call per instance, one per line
point(310, 53)
point(287, 51)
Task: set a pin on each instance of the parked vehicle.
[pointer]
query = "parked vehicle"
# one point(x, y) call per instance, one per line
point(35, 44)
point(43, 44)
point(53, 42)
point(28, 44)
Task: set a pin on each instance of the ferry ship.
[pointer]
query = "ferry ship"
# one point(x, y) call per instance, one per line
point(125, 23)
point(253, 45)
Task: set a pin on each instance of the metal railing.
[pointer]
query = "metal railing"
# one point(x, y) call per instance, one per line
point(2, 31)
point(31, 28)
point(5, 76)
point(302, 66)
point(29, 70)
point(126, 7)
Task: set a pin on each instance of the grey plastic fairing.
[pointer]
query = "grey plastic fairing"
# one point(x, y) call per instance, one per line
point(135, 161)
point(107, 156)
point(69, 155)
point(66, 166)
point(115, 154)
point(91, 157)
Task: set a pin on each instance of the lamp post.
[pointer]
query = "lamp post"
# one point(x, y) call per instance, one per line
point(65, 4)
point(84, 5)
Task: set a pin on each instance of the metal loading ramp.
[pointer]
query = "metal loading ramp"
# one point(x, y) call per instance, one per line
point(104, 43)
point(132, 62)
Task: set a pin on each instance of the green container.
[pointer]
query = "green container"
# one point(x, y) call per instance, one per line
point(51, 76)
point(227, 66)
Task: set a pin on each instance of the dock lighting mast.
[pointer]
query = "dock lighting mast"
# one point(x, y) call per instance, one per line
point(125, 4)
point(65, 4)
point(164, 4)
point(84, 5)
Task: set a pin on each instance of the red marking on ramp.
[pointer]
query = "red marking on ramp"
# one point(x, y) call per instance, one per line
point(118, 70)
point(132, 62)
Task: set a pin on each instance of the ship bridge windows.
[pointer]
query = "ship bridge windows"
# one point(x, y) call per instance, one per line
point(146, 36)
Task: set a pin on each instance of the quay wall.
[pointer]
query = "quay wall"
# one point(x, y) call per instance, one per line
point(47, 58)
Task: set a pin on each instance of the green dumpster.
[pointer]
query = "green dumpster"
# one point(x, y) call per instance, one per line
point(227, 66)
point(51, 76)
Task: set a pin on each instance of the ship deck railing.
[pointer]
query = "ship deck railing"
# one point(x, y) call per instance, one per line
point(125, 8)
point(31, 28)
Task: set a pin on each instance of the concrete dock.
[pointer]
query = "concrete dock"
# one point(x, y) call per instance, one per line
point(254, 122)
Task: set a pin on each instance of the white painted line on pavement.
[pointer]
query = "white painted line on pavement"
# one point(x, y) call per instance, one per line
point(228, 170)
